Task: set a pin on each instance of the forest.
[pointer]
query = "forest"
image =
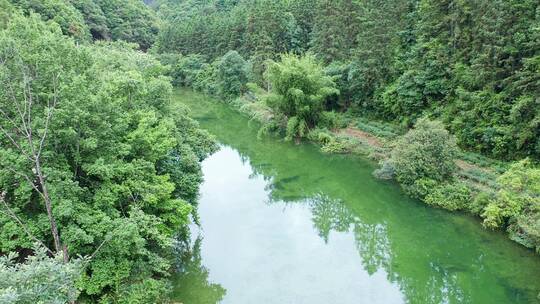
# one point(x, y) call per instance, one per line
point(100, 170)
point(452, 88)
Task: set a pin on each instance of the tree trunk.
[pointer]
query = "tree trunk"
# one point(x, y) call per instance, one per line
point(48, 205)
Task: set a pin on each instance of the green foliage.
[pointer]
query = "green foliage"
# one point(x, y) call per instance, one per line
point(95, 18)
point(62, 12)
point(335, 29)
point(121, 162)
point(128, 20)
point(419, 188)
point(6, 9)
point(427, 151)
point(386, 171)
point(40, 279)
point(378, 128)
point(206, 79)
point(331, 120)
point(186, 69)
point(226, 77)
point(395, 60)
point(517, 203)
point(335, 146)
point(453, 196)
point(232, 75)
point(299, 91)
point(519, 188)
point(258, 30)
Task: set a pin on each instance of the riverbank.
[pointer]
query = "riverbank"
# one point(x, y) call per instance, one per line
point(375, 140)
point(476, 179)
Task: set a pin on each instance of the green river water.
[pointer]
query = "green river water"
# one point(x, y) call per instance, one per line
point(285, 223)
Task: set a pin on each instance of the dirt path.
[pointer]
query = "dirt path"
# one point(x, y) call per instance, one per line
point(356, 133)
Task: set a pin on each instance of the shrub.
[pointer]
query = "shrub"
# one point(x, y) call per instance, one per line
point(453, 196)
point(206, 80)
point(188, 68)
point(427, 151)
point(331, 120)
point(517, 204)
point(526, 230)
point(480, 202)
point(519, 191)
point(319, 135)
point(335, 146)
point(420, 188)
point(63, 13)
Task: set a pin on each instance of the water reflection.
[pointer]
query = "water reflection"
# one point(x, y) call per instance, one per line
point(374, 248)
point(192, 279)
point(440, 266)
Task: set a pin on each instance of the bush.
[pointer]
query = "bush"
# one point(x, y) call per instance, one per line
point(335, 146)
point(526, 230)
point(331, 120)
point(206, 79)
point(6, 9)
point(519, 191)
point(70, 20)
point(420, 188)
point(427, 151)
point(517, 204)
point(480, 202)
point(321, 136)
point(453, 196)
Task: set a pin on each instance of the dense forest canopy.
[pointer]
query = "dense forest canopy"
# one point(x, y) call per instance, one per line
point(473, 64)
point(86, 20)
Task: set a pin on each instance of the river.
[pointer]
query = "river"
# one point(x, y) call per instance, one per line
point(285, 223)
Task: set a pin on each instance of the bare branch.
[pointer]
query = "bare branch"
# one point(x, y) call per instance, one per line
point(10, 138)
point(28, 179)
point(50, 110)
point(33, 155)
point(99, 248)
point(10, 120)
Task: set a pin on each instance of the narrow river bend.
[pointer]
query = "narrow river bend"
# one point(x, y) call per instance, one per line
point(284, 223)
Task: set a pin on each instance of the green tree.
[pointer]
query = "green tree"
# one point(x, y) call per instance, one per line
point(119, 162)
point(128, 20)
point(299, 89)
point(335, 29)
point(59, 11)
point(6, 9)
point(232, 75)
